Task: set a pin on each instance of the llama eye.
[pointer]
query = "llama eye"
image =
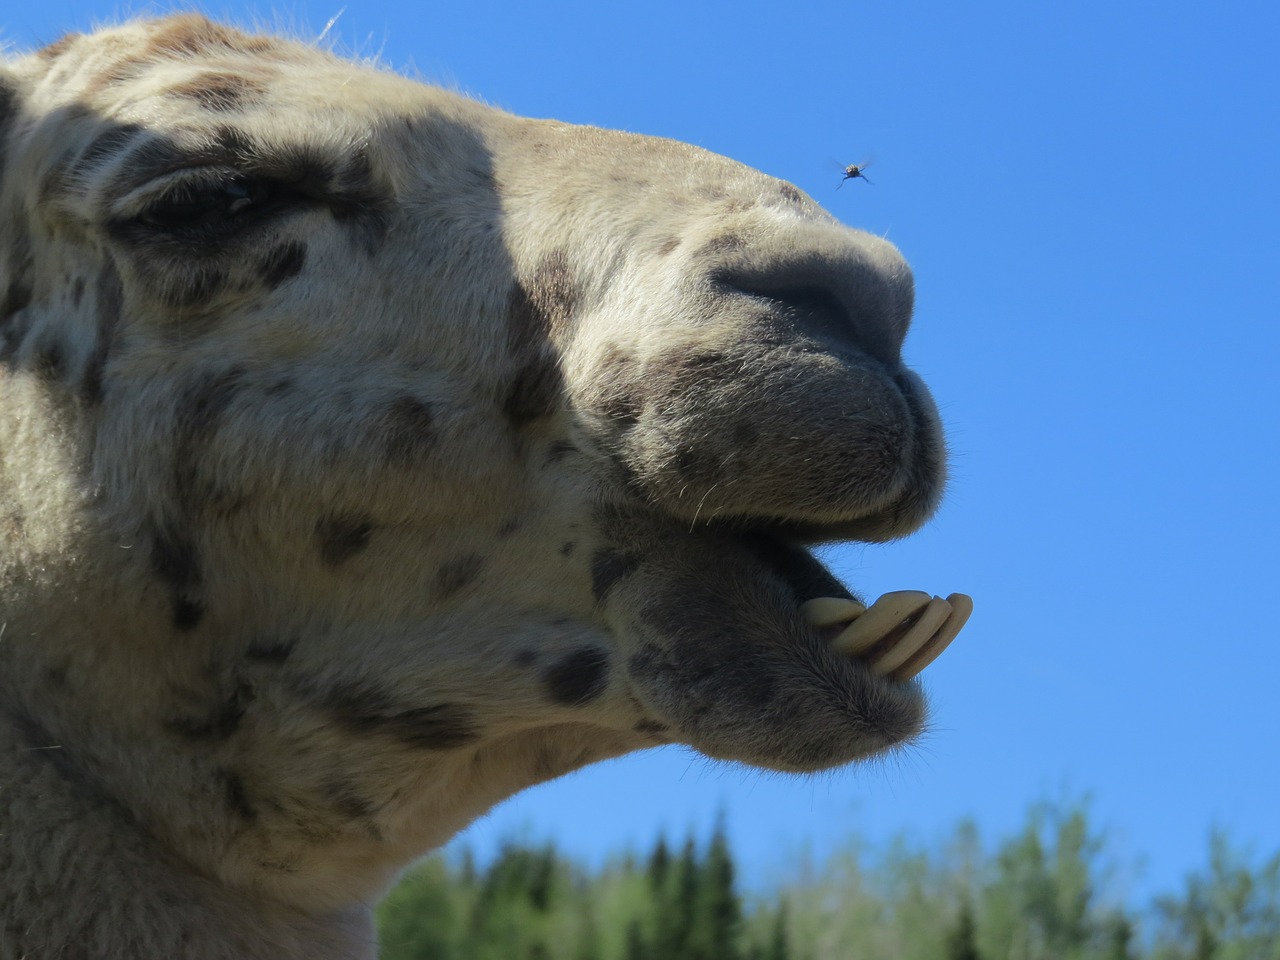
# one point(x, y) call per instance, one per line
point(206, 205)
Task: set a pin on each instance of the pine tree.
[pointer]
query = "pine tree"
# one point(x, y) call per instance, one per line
point(588, 935)
point(636, 948)
point(962, 942)
point(540, 875)
point(677, 909)
point(1118, 938)
point(779, 948)
point(719, 910)
point(659, 865)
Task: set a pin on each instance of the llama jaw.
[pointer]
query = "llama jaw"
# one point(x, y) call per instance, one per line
point(898, 636)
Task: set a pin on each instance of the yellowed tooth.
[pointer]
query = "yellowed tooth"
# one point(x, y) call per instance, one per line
point(881, 617)
point(917, 635)
point(961, 607)
point(829, 611)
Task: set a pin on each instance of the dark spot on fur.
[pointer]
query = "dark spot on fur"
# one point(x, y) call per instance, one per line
point(791, 194)
point(535, 392)
point(235, 142)
point(283, 385)
point(20, 290)
point(407, 427)
point(174, 560)
point(351, 804)
point(219, 724)
point(190, 34)
point(509, 526)
point(680, 374)
point(108, 307)
point(650, 727)
point(77, 291)
point(174, 557)
point(668, 246)
point(458, 573)
point(525, 658)
point(274, 652)
point(358, 205)
point(566, 548)
point(283, 262)
point(607, 568)
point(342, 537)
point(616, 394)
point(198, 417)
point(56, 49)
point(219, 91)
point(49, 362)
point(234, 793)
point(578, 678)
point(57, 676)
point(725, 243)
point(540, 310)
point(366, 712)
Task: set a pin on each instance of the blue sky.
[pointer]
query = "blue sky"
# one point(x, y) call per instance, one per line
point(1090, 196)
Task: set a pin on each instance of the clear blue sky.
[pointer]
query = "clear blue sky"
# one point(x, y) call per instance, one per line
point(1090, 195)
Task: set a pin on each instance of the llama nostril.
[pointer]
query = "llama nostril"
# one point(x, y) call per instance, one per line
point(812, 310)
point(818, 313)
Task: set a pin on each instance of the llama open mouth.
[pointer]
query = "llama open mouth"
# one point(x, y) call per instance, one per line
point(897, 636)
point(750, 650)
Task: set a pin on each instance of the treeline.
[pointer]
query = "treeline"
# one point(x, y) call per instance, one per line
point(1042, 894)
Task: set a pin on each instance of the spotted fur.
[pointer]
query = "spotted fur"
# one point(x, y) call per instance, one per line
point(368, 455)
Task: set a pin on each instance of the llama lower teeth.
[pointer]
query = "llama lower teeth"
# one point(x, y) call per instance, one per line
point(898, 635)
point(830, 611)
point(922, 628)
point(961, 608)
point(881, 617)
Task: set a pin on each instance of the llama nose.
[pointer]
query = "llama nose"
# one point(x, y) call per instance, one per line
point(847, 289)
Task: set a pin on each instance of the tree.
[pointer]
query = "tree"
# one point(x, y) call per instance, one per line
point(659, 865)
point(962, 942)
point(1118, 938)
point(778, 947)
point(1231, 911)
point(719, 912)
point(676, 910)
point(636, 948)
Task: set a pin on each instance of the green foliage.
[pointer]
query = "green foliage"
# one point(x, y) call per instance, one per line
point(1230, 911)
point(1041, 894)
